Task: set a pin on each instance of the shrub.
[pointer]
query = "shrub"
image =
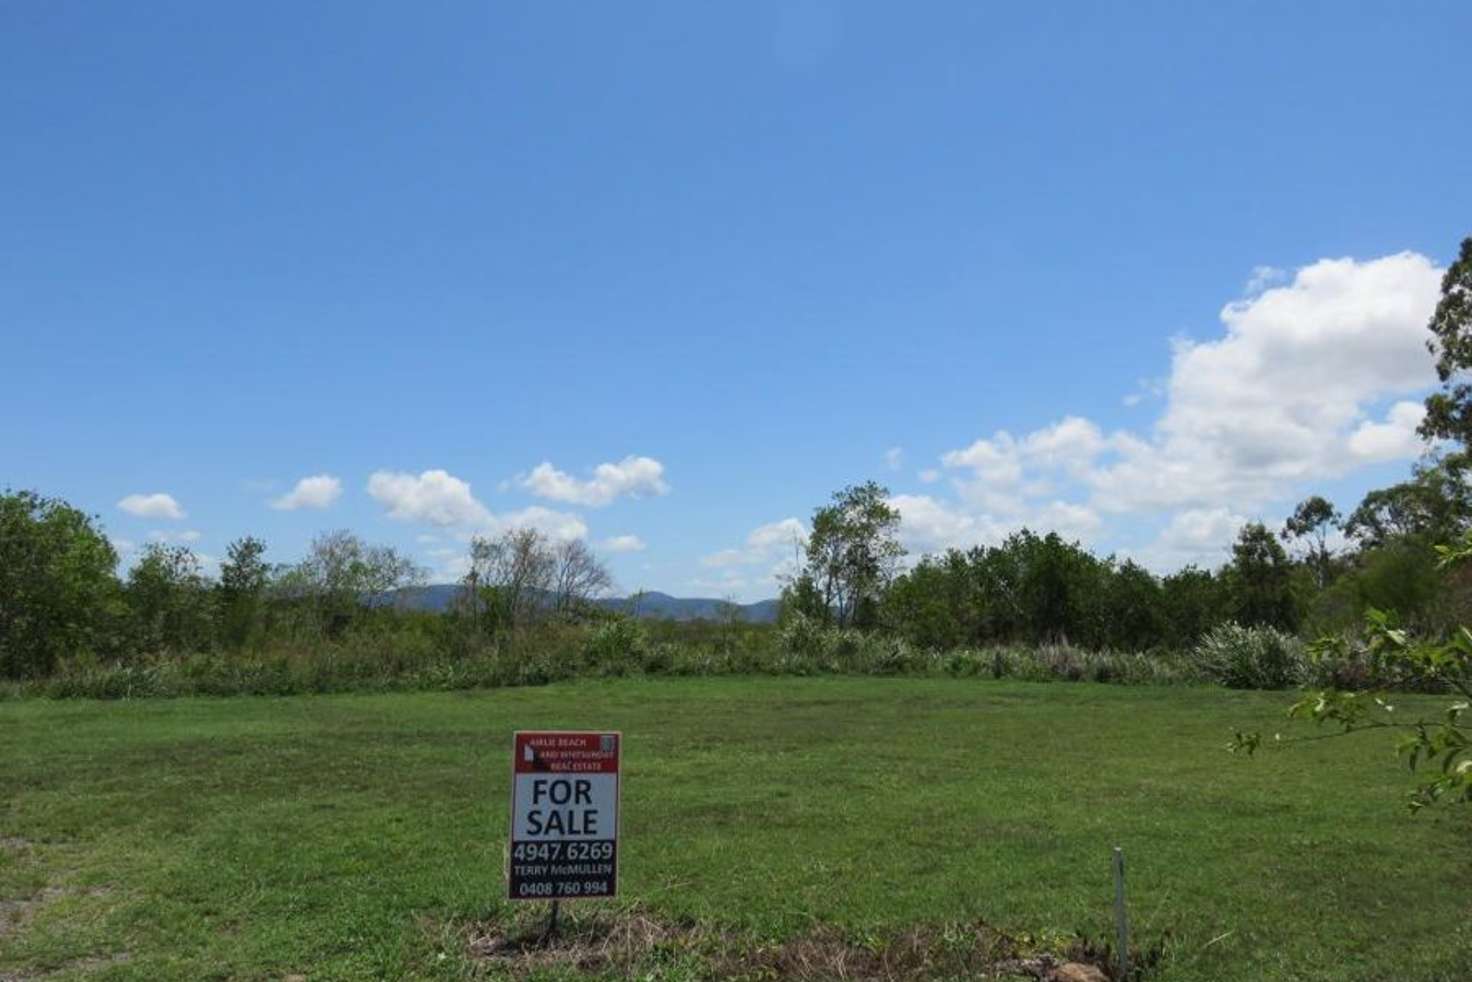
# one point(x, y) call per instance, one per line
point(803, 636)
point(895, 656)
point(616, 647)
point(1250, 657)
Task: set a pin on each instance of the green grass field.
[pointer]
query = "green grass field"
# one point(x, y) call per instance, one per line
point(357, 836)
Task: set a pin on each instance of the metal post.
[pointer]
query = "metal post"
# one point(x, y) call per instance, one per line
point(552, 922)
point(1121, 919)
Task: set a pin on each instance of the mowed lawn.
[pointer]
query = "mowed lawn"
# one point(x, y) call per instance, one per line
point(338, 836)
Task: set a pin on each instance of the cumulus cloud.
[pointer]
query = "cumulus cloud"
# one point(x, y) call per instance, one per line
point(559, 525)
point(435, 496)
point(1288, 394)
point(1196, 536)
point(1001, 461)
point(317, 491)
point(894, 458)
point(157, 505)
point(439, 498)
point(928, 524)
point(763, 544)
point(1278, 399)
point(633, 476)
point(1394, 439)
point(623, 543)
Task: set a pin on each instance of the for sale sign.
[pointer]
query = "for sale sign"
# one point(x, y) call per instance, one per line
point(564, 815)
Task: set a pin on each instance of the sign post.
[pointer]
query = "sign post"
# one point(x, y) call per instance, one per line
point(564, 816)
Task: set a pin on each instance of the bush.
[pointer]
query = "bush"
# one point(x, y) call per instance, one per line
point(803, 636)
point(616, 647)
point(1250, 657)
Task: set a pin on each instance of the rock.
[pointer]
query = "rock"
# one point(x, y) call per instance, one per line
point(1077, 972)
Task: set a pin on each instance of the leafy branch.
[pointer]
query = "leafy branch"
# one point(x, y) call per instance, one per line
point(1444, 743)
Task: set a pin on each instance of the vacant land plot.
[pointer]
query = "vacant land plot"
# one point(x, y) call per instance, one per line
point(362, 836)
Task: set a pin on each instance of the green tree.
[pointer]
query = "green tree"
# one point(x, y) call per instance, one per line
point(927, 604)
point(511, 580)
point(244, 577)
point(1193, 601)
point(1312, 521)
point(1434, 505)
point(1449, 412)
point(853, 551)
point(1059, 588)
point(58, 590)
point(800, 598)
point(168, 597)
point(1133, 617)
point(343, 579)
point(1261, 578)
point(1402, 576)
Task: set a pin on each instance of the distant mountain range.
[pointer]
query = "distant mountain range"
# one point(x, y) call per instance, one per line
point(653, 605)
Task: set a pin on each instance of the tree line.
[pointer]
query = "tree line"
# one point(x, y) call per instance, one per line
point(1041, 588)
point(60, 595)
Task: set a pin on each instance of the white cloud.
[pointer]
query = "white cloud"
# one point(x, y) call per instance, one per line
point(444, 500)
point(186, 536)
point(930, 525)
point(623, 543)
point(1001, 461)
point(447, 564)
point(1276, 401)
point(1199, 536)
point(929, 475)
point(894, 458)
point(633, 476)
point(1394, 439)
point(559, 525)
point(158, 505)
point(763, 544)
point(435, 496)
point(1286, 396)
point(318, 491)
point(122, 546)
point(995, 461)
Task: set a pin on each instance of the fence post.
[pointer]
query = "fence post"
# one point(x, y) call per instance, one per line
point(1121, 919)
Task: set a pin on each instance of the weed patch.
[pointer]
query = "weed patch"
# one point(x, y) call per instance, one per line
point(633, 942)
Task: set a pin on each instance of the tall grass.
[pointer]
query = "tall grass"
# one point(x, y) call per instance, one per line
point(1250, 657)
point(389, 661)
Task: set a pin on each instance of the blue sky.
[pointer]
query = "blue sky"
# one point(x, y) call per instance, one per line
point(1139, 272)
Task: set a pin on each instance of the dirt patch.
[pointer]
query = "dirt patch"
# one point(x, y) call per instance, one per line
point(634, 942)
point(15, 914)
point(14, 843)
point(84, 965)
point(94, 964)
